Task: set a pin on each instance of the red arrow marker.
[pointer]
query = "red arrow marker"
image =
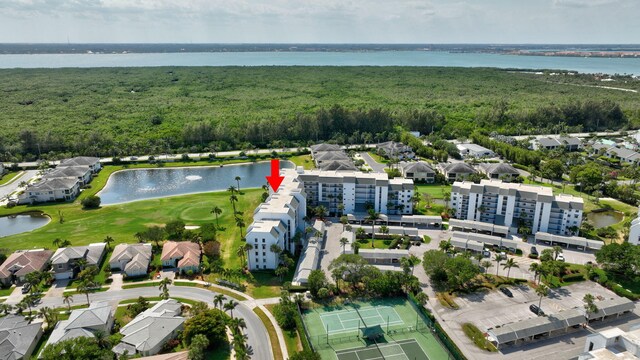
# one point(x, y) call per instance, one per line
point(275, 179)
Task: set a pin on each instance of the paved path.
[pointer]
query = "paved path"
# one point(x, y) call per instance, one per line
point(374, 165)
point(7, 189)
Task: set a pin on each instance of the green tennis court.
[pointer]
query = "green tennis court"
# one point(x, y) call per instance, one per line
point(350, 320)
point(401, 350)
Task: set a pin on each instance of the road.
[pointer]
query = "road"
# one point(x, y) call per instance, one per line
point(374, 165)
point(15, 184)
point(258, 338)
point(578, 135)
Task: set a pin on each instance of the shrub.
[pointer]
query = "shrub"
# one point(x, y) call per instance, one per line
point(573, 278)
point(91, 202)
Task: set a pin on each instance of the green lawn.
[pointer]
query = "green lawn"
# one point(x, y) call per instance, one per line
point(291, 337)
point(6, 291)
point(265, 284)
point(122, 221)
point(377, 243)
point(6, 178)
point(303, 160)
point(377, 157)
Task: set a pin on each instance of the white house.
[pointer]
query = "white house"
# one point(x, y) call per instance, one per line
point(133, 259)
point(418, 171)
point(502, 171)
point(508, 204)
point(634, 231)
point(54, 189)
point(150, 330)
point(474, 150)
point(82, 173)
point(92, 162)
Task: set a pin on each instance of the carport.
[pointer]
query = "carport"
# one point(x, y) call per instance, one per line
point(536, 327)
point(612, 307)
point(466, 244)
point(487, 239)
point(478, 226)
point(418, 220)
point(576, 241)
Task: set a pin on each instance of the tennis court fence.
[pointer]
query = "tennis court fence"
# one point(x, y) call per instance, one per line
point(326, 340)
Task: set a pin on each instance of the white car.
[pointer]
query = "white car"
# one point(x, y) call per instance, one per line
point(560, 257)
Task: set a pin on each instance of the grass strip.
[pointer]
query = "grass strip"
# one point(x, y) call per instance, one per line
point(273, 336)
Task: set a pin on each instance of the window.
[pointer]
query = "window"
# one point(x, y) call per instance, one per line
point(264, 246)
point(263, 241)
point(264, 253)
point(256, 253)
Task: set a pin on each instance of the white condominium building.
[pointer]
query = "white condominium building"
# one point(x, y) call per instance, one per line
point(634, 231)
point(276, 221)
point(514, 205)
point(356, 191)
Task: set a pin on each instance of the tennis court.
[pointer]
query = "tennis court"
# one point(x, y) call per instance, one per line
point(401, 350)
point(350, 320)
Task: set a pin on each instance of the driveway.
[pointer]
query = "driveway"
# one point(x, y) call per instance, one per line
point(15, 184)
point(331, 248)
point(258, 338)
point(374, 165)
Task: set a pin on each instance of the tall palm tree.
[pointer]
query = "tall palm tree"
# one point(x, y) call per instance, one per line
point(557, 250)
point(108, 240)
point(233, 199)
point(218, 300)
point(589, 305)
point(373, 216)
point(486, 264)
point(238, 324)
point(67, 298)
point(240, 224)
point(164, 288)
point(344, 241)
point(542, 290)
point(535, 268)
point(56, 242)
point(510, 263)
point(229, 306)
point(139, 236)
point(248, 247)
point(85, 287)
point(238, 178)
point(413, 261)
point(65, 243)
point(231, 189)
point(498, 259)
point(216, 211)
point(241, 252)
point(102, 339)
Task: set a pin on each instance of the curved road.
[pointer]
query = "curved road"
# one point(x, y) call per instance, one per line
point(258, 338)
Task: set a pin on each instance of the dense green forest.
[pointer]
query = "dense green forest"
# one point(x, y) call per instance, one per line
point(112, 111)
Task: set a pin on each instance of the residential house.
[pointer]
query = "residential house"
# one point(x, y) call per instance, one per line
point(82, 173)
point(92, 162)
point(1, 169)
point(625, 155)
point(84, 323)
point(324, 147)
point(552, 143)
point(183, 255)
point(133, 259)
point(325, 157)
point(183, 355)
point(395, 150)
point(149, 331)
point(500, 171)
point(23, 262)
point(598, 149)
point(418, 171)
point(18, 337)
point(509, 204)
point(474, 150)
point(51, 189)
point(64, 263)
point(456, 171)
point(339, 165)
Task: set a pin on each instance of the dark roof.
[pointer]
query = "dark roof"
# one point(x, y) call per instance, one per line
point(80, 160)
point(339, 165)
point(499, 168)
point(52, 184)
point(416, 167)
point(459, 168)
point(325, 147)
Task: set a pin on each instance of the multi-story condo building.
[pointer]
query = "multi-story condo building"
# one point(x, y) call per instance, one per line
point(347, 192)
point(634, 231)
point(277, 220)
point(514, 205)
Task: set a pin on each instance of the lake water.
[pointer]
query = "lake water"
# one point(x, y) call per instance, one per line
point(344, 58)
point(605, 218)
point(11, 225)
point(140, 184)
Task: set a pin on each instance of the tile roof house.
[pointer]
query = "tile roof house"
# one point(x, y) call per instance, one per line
point(23, 262)
point(83, 323)
point(150, 330)
point(418, 171)
point(392, 149)
point(184, 355)
point(83, 173)
point(339, 165)
point(184, 255)
point(51, 189)
point(133, 259)
point(18, 337)
point(502, 171)
point(91, 162)
point(64, 260)
point(552, 143)
point(456, 171)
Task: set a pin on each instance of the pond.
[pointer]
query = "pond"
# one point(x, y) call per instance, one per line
point(141, 184)
point(16, 224)
point(605, 218)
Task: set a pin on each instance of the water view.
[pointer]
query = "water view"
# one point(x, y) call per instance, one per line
point(343, 58)
point(16, 224)
point(140, 184)
point(605, 218)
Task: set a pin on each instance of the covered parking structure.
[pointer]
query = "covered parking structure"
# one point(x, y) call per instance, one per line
point(391, 230)
point(418, 221)
point(487, 240)
point(566, 241)
point(612, 308)
point(478, 227)
point(383, 256)
point(467, 244)
point(536, 328)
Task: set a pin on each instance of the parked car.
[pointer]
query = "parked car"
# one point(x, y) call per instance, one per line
point(536, 310)
point(26, 287)
point(534, 251)
point(560, 257)
point(486, 253)
point(506, 291)
point(503, 254)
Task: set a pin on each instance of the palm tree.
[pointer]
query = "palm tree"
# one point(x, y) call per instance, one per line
point(241, 252)
point(238, 178)
point(274, 248)
point(233, 199)
point(218, 300)
point(230, 306)
point(557, 250)
point(344, 241)
point(217, 211)
point(248, 247)
point(108, 240)
point(238, 324)
point(542, 291)
point(57, 242)
point(535, 268)
point(85, 287)
point(344, 220)
point(81, 263)
point(102, 339)
point(231, 189)
point(240, 223)
point(65, 243)
point(281, 271)
point(321, 212)
point(67, 298)
point(164, 288)
point(486, 264)
point(373, 216)
point(445, 246)
point(498, 259)
point(589, 305)
point(508, 265)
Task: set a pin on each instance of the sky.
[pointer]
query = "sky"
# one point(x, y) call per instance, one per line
point(320, 21)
